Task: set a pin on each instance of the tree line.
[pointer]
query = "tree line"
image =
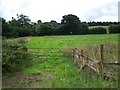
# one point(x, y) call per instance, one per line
point(93, 23)
point(70, 25)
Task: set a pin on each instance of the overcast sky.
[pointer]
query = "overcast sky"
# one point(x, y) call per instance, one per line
point(47, 10)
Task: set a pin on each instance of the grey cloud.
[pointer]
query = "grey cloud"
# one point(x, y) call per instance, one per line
point(25, 4)
point(1, 10)
point(7, 13)
point(1, 13)
point(119, 12)
point(98, 12)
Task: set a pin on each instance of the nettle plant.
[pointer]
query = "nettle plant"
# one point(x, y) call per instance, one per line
point(14, 54)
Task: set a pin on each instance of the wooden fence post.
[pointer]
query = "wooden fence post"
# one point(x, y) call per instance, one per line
point(86, 60)
point(73, 53)
point(81, 58)
point(101, 62)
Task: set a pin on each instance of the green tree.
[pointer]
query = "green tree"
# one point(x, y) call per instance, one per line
point(83, 28)
point(38, 27)
point(7, 30)
point(22, 25)
point(23, 20)
point(46, 29)
point(71, 24)
point(55, 27)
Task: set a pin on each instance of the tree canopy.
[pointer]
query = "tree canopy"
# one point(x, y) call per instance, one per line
point(70, 25)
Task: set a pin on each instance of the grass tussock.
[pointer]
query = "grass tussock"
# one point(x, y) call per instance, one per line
point(93, 51)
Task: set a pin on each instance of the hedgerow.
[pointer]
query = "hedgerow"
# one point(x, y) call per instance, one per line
point(14, 55)
point(114, 28)
point(98, 30)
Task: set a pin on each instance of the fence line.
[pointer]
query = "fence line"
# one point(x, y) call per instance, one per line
point(83, 61)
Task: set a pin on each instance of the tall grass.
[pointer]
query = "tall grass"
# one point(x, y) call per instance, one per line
point(93, 51)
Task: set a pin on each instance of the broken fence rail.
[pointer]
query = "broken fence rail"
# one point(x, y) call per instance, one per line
point(83, 59)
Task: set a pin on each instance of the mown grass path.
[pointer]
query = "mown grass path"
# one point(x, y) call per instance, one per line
point(50, 68)
point(54, 70)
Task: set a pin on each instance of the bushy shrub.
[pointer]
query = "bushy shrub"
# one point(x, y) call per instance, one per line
point(14, 55)
point(114, 29)
point(98, 30)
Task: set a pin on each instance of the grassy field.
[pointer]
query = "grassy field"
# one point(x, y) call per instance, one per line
point(73, 40)
point(106, 27)
point(51, 68)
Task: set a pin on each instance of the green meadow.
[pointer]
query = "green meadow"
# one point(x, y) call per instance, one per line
point(71, 40)
point(52, 63)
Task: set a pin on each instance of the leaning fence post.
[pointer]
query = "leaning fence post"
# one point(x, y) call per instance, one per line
point(101, 61)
